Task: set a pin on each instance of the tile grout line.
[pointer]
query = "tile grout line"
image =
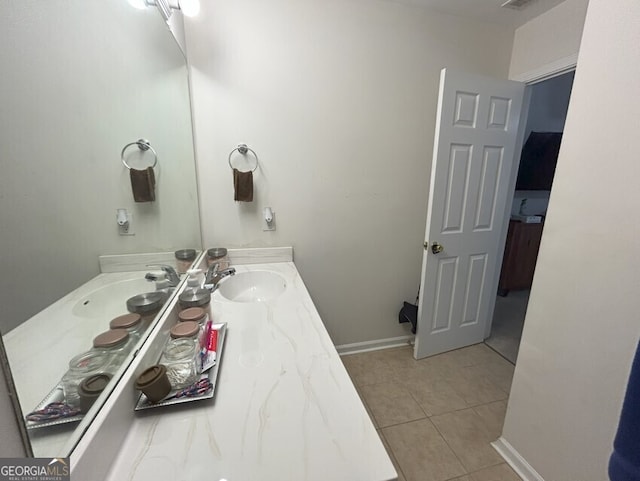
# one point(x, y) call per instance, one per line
point(466, 471)
point(500, 354)
point(393, 455)
point(380, 429)
point(456, 454)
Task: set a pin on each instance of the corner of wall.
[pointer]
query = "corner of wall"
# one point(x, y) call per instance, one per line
point(549, 43)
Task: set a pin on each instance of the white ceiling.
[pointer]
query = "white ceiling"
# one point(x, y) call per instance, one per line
point(487, 10)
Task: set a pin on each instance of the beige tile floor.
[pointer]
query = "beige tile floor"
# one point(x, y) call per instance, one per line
point(437, 416)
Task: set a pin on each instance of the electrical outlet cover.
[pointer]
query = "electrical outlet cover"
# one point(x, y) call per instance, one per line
point(271, 225)
point(127, 229)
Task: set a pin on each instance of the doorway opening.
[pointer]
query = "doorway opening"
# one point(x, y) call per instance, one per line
point(549, 101)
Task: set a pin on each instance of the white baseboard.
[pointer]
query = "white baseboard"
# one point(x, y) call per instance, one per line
point(260, 255)
point(134, 262)
point(515, 460)
point(375, 345)
point(141, 262)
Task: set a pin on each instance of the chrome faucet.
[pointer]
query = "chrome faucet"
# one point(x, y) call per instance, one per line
point(170, 273)
point(215, 275)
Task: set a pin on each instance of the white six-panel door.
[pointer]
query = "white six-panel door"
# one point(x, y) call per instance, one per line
point(470, 193)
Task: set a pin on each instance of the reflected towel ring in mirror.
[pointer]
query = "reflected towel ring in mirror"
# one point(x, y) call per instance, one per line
point(143, 145)
point(243, 149)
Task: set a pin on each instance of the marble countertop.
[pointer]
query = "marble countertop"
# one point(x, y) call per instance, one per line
point(284, 409)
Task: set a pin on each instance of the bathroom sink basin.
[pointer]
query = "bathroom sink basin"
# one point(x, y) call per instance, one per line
point(109, 300)
point(255, 286)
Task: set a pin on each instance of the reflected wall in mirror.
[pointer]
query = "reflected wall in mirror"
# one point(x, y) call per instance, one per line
point(81, 79)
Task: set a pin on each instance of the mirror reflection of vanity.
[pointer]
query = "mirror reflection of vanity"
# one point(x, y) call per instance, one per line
point(81, 79)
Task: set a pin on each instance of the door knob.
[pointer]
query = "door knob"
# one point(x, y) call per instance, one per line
point(436, 248)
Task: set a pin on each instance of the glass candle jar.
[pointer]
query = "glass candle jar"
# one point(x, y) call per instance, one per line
point(80, 367)
point(187, 330)
point(194, 314)
point(179, 357)
point(116, 344)
point(218, 255)
point(147, 305)
point(192, 297)
point(184, 259)
point(132, 323)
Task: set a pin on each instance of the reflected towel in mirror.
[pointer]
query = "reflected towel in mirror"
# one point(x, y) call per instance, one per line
point(143, 184)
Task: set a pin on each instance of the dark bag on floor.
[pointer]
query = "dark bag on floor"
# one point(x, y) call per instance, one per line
point(409, 313)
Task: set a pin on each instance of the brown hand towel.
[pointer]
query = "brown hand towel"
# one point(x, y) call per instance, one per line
point(143, 184)
point(242, 186)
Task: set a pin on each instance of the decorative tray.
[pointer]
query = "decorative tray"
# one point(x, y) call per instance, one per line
point(212, 374)
point(55, 396)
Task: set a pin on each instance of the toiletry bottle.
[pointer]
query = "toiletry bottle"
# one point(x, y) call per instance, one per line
point(195, 297)
point(218, 255)
point(147, 305)
point(184, 259)
point(195, 278)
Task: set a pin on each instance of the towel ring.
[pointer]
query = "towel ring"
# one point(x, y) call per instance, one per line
point(243, 149)
point(143, 145)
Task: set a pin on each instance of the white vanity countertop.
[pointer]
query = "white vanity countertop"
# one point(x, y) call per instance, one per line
point(284, 409)
point(40, 348)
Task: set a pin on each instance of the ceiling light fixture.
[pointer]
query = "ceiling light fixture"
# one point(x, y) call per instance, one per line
point(189, 8)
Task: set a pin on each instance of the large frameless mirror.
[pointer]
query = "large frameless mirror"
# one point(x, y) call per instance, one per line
point(81, 79)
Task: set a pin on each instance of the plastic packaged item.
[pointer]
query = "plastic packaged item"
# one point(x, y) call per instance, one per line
point(218, 255)
point(179, 357)
point(194, 314)
point(184, 259)
point(209, 351)
point(116, 344)
point(131, 322)
point(80, 367)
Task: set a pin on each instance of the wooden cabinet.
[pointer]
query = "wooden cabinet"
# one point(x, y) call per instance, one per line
point(520, 256)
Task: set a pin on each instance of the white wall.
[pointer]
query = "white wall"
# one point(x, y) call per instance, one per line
point(338, 98)
point(80, 80)
point(551, 39)
point(582, 327)
point(176, 27)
